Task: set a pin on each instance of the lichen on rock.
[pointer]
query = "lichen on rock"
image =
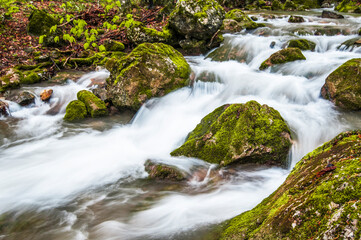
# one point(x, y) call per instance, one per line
point(150, 70)
point(320, 199)
point(343, 86)
point(283, 56)
point(239, 133)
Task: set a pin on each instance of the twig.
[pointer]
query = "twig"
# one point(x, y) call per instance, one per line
point(215, 35)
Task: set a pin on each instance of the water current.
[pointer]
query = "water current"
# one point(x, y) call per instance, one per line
point(87, 180)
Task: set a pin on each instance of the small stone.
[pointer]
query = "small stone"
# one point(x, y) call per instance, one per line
point(296, 19)
point(4, 108)
point(45, 95)
point(24, 98)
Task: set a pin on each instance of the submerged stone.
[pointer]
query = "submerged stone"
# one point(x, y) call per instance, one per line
point(283, 56)
point(75, 111)
point(320, 199)
point(4, 109)
point(302, 44)
point(94, 106)
point(160, 171)
point(239, 133)
point(150, 70)
point(343, 86)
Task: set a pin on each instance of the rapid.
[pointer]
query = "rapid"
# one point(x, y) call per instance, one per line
point(87, 180)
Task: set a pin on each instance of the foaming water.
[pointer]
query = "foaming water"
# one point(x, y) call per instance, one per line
point(90, 184)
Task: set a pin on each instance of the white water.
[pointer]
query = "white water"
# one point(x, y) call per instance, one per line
point(50, 164)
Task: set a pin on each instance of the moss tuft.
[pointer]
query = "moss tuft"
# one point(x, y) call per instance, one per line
point(94, 106)
point(75, 111)
point(302, 44)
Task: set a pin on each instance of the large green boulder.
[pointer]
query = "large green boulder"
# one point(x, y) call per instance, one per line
point(150, 70)
point(343, 86)
point(350, 6)
point(236, 20)
point(75, 111)
point(198, 19)
point(95, 107)
point(302, 44)
point(239, 133)
point(283, 56)
point(320, 199)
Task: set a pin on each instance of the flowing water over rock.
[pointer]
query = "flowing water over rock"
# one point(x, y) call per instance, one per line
point(87, 180)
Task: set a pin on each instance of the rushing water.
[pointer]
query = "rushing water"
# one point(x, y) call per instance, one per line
point(87, 180)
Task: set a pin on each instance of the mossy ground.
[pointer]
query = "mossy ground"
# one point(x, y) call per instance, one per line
point(239, 133)
point(283, 56)
point(312, 203)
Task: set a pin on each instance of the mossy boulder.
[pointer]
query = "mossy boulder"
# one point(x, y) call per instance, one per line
point(113, 46)
point(161, 171)
point(302, 44)
point(349, 6)
point(320, 199)
point(94, 106)
point(296, 19)
point(138, 33)
point(343, 86)
point(24, 98)
point(329, 14)
point(283, 56)
point(198, 19)
point(236, 20)
point(75, 111)
point(239, 133)
point(150, 70)
point(40, 23)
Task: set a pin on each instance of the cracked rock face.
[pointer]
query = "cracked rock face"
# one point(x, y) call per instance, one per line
point(197, 19)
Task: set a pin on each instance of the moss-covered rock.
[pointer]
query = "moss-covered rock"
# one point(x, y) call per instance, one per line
point(40, 23)
point(302, 44)
point(283, 56)
point(10, 80)
point(239, 133)
point(31, 78)
point(296, 19)
point(276, 5)
point(198, 19)
point(75, 111)
point(350, 44)
point(329, 14)
point(307, 4)
point(236, 20)
point(160, 171)
point(343, 86)
point(150, 70)
point(138, 33)
point(94, 106)
point(320, 199)
point(113, 46)
point(290, 6)
point(349, 6)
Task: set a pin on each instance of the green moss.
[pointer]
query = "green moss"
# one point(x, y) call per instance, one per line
point(113, 46)
point(31, 78)
point(296, 19)
point(75, 111)
point(290, 5)
point(229, 133)
point(283, 56)
point(307, 4)
point(348, 6)
point(94, 106)
point(138, 33)
point(9, 81)
point(343, 86)
point(40, 23)
point(309, 204)
point(302, 44)
point(277, 5)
